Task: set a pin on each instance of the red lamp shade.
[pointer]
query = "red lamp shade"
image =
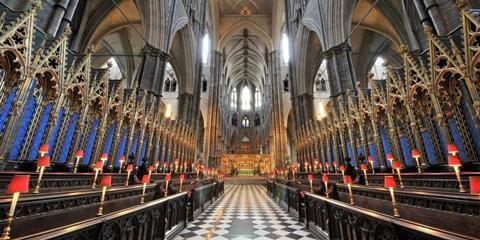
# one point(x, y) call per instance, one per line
point(452, 148)
point(334, 163)
point(156, 163)
point(150, 168)
point(390, 182)
point(347, 179)
point(19, 184)
point(176, 161)
point(396, 165)
point(324, 178)
point(370, 158)
point(342, 168)
point(168, 177)
point(454, 161)
point(328, 164)
point(122, 159)
point(79, 153)
point(106, 181)
point(182, 177)
point(390, 157)
point(44, 161)
point(130, 167)
point(43, 148)
point(310, 177)
point(415, 153)
point(315, 162)
point(98, 165)
point(474, 184)
point(164, 165)
point(363, 166)
point(145, 179)
point(104, 156)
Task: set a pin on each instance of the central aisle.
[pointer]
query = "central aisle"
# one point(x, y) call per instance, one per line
point(245, 212)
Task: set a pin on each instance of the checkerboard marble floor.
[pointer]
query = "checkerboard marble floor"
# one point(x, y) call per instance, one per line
point(245, 212)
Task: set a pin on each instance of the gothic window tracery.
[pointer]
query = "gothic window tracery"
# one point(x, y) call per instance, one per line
point(204, 83)
point(205, 48)
point(167, 85)
point(258, 99)
point(246, 99)
point(170, 79)
point(235, 120)
point(233, 99)
point(285, 49)
point(245, 122)
point(285, 83)
point(321, 78)
point(257, 120)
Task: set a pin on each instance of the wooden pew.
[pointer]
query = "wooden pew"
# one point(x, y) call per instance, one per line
point(333, 219)
point(441, 182)
point(439, 210)
point(60, 182)
point(158, 219)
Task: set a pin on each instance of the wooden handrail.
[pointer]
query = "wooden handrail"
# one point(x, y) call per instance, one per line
point(411, 225)
point(57, 195)
point(57, 232)
point(454, 197)
point(386, 218)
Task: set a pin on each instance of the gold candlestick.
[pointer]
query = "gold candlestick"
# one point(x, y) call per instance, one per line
point(418, 165)
point(76, 165)
point(128, 177)
point(459, 179)
point(11, 213)
point(40, 175)
point(144, 187)
point(394, 203)
point(120, 167)
point(95, 178)
point(366, 178)
point(326, 189)
point(350, 194)
point(102, 199)
point(373, 168)
point(166, 188)
point(400, 178)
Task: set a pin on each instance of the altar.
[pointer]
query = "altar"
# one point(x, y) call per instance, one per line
point(245, 164)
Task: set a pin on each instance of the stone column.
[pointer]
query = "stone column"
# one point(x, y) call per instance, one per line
point(213, 112)
point(279, 149)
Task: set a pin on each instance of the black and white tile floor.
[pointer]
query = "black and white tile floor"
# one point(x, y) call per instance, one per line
point(245, 212)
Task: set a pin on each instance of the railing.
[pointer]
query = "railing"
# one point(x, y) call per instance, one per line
point(203, 196)
point(157, 219)
point(35, 213)
point(287, 197)
point(59, 182)
point(332, 219)
point(442, 181)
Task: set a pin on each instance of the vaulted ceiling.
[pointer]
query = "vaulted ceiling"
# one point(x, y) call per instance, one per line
point(245, 58)
point(235, 7)
point(245, 39)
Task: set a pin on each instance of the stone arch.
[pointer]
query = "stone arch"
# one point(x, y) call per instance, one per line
point(183, 53)
point(307, 58)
